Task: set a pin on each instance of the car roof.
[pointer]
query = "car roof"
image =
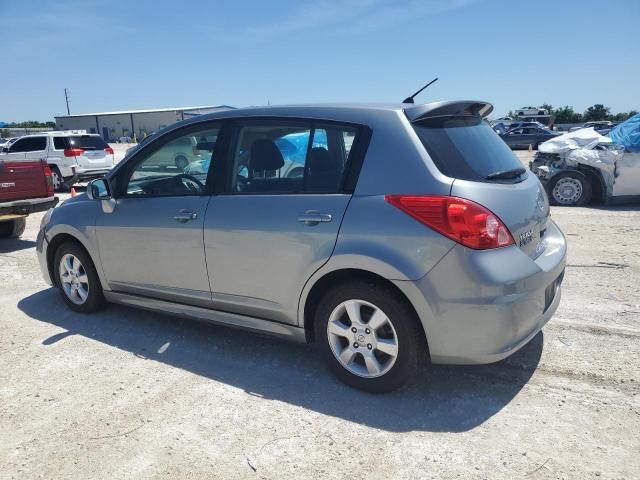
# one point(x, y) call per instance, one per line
point(352, 111)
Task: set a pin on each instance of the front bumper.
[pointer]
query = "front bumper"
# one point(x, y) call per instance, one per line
point(481, 306)
point(26, 207)
point(41, 250)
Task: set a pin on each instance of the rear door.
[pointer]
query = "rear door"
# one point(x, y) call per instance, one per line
point(467, 149)
point(278, 219)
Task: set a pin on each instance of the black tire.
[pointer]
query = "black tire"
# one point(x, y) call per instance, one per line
point(12, 228)
point(95, 299)
point(573, 178)
point(58, 180)
point(411, 343)
point(181, 162)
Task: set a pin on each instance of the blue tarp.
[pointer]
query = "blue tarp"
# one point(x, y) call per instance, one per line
point(627, 134)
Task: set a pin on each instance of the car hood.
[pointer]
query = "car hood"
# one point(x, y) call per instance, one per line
point(586, 138)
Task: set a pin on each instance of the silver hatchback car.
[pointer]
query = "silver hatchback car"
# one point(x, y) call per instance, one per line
point(386, 234)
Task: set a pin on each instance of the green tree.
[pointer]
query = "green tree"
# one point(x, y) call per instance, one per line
point(548, 108)
point(597, 112)
point(566, 114)
point(621, 117)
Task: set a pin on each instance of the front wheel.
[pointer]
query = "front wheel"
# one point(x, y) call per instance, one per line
point(77, 279)
point(370, 337)
point(571, 188)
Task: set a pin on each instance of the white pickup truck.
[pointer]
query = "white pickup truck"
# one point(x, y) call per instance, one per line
point(72, 155)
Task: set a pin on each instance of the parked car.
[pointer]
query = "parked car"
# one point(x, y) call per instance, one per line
point(524, 136)
point(603, 127)
point(7, 142)
point(72, 155)
point(25, 187)
point(383, 251)
point(583, 165)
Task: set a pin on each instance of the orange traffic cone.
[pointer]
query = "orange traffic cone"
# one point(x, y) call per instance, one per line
point(530, 149)
point(73, 192)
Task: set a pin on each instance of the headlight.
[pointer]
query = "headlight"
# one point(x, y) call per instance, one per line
point(45, 218)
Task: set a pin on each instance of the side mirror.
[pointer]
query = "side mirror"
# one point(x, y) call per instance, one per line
point(98, 189)
point(5, 149)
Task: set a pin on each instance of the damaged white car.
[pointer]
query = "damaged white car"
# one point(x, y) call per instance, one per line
point(583, 165)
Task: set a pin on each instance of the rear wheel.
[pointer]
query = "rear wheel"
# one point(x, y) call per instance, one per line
point(77, 279)
point(571, 188)
point(12, 228)
point(58, 180)
point(370, 337)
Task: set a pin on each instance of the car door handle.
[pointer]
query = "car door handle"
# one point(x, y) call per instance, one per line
point(313, 218)
point(184, 216)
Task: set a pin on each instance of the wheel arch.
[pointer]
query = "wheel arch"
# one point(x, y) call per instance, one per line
point(598, 185)
point(322, 284)
point(54, 244)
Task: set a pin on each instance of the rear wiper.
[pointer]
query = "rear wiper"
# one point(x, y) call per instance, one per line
point(506, 174)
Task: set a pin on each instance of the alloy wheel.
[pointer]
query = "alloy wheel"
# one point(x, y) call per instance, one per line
point(362, 338)
point(74, 279)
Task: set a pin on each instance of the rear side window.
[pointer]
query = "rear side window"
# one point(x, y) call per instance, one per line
point(60, 143)
point(87, 142)
point(465, 147)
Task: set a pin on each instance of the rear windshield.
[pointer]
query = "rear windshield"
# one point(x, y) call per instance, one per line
point(86, 142)
point(465, 147)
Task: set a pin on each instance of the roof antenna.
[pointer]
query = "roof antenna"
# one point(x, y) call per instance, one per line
point(410, 99)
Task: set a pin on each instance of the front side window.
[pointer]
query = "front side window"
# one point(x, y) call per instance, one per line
point(29, 144)
point(178, 167)
point(294, 157)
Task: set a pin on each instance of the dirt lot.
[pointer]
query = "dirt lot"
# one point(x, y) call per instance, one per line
point(129, 394)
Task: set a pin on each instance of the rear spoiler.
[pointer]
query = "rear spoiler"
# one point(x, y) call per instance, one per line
point(445, 109)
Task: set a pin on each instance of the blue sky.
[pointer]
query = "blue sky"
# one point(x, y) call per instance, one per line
point(117, 55)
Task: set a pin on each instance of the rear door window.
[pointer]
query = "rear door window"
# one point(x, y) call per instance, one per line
point(290, 157)
point(465, 147)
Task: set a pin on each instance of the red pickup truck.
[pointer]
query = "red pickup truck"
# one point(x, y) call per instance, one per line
point(25, 187)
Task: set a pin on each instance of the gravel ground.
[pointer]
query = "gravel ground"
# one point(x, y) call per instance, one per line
point(130, 394)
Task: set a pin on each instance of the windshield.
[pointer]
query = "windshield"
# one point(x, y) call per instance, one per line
point(465, 147)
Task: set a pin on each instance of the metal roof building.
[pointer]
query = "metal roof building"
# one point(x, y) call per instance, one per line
point(131, 123)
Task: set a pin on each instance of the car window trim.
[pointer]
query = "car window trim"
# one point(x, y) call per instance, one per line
point(123, 175)
point(352, 167)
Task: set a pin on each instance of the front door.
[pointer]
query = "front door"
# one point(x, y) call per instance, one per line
point(151, 241)
point(278, 221)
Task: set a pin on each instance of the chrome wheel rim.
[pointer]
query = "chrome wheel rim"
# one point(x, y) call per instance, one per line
point(567, 191)
point(362, 338)
point(74, 279)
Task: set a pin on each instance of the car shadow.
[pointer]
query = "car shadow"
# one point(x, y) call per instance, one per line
point(8, 245)
point(444, 399)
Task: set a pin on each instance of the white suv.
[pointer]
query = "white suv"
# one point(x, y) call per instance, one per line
point(73, 155)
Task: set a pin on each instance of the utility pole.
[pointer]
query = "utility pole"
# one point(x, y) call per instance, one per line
point(66, 98)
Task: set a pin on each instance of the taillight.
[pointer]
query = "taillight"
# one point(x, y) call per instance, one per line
point(73, 152)
point(459, 219)
point(48, 178)
point(109, 150)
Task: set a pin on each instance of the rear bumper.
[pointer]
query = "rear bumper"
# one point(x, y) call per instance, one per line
point(481, 306)
point(26, 207)
point(80, 174)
